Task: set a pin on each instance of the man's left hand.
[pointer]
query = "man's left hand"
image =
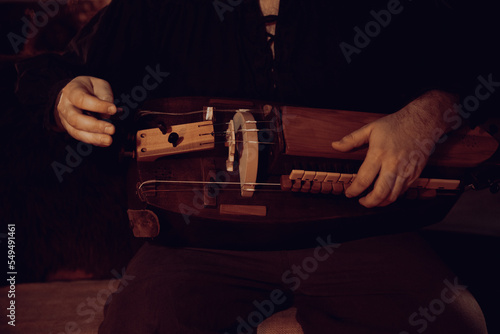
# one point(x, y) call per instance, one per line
point(395, 157)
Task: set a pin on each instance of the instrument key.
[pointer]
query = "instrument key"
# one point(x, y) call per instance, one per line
point(443, 184)
point(345, 178)
point(296, 178)
point(411, 193)
point(337, 183)
point(338, 188)
point(332, 177)
point(308, 177)
point(318, 179)
point(419, 183)
point(326, 187)
point(296, 174)
point(426, 193)
point(286, 183)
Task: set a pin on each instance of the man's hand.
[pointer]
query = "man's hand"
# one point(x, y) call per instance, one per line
point(81, 95)
point(396, 150)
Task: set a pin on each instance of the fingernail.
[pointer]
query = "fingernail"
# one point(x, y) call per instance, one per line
point(348, 195)
point(109, 130)
point(111, 109)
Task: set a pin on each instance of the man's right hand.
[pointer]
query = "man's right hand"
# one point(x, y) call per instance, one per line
point(81, 95)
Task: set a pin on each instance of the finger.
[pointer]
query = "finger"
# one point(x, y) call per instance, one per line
point(103, 91)
point(410, 180)
point(79, 121)
point(366, 175)
point(353, 140)
point(96, 139)
point(407, 186)
point(85, 101)
point(397, 190)
point(381, 190)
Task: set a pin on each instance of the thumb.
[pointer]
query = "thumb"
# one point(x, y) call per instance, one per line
point(103, 91)
point(353, 140)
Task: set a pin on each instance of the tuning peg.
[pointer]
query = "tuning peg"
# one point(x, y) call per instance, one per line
point(124, 154)
point(163, 127)
point(173, 138)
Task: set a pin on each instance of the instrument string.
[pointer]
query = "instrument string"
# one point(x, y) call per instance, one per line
point(225, 189)
point(239, 141)
point(167, 113)
point(227, 123)
point(150, 112)
point(269, 184)
point(225, 133)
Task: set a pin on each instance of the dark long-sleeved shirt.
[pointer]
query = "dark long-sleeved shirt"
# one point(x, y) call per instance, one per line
point(361, 55)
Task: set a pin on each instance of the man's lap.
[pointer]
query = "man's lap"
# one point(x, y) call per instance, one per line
point(375, 285)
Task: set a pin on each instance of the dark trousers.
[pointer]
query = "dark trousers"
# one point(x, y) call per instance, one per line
point(390, 284)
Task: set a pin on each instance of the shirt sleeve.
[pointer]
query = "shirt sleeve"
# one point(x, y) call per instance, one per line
point(106, 39)
point(41, 78)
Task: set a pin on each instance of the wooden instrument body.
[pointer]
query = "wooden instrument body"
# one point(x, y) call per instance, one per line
point(295, 138)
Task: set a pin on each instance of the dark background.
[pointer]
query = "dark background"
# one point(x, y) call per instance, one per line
point(70, 229)
point(62, 233)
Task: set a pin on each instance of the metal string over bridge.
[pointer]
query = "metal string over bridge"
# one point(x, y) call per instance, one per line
point(167, 113)
point(186, 182)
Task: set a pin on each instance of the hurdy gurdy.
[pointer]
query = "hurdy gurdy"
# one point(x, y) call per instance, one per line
point(233, 165)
